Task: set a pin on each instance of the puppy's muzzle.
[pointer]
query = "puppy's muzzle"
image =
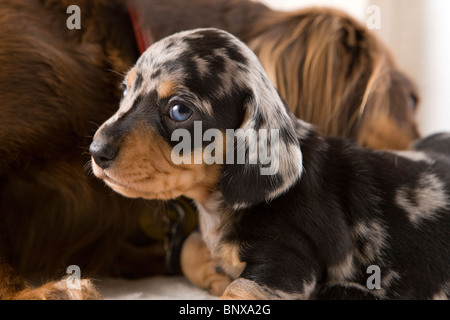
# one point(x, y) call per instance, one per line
point(103, 153)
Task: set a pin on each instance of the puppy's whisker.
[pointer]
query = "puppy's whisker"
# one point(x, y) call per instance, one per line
point(121, 74)
point(95, 124)
point(88, 167)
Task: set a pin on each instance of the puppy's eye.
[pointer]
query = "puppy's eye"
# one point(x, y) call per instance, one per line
point(179, 112)
point(413, 101)
point(124, 88)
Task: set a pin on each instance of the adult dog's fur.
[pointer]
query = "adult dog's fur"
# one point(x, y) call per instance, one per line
point(331, 69)
point(344, 80)
point(57, 85)
point(312, 228)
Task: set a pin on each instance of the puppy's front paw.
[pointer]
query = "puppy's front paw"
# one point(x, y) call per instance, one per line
point(199, 267)
point(243, 289)
point(59, 290)
point(214, 279)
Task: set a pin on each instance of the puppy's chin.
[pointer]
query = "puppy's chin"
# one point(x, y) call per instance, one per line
point(131, 191)
point(143, 188)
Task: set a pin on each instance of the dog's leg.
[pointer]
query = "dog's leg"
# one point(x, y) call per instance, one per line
point(199, 267)
point(245, 289)
point(59, 290)
point(276, 278)
point(13, 287)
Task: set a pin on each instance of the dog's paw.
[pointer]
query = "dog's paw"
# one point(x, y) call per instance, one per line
point(200, 268)
point(214, 280)
point(59, 290)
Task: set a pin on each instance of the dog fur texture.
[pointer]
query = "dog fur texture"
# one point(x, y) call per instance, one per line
point(58, 85)
point(312, 229)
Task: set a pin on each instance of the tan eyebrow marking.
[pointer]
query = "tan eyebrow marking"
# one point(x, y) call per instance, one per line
point(167, 89)
point(131, 77)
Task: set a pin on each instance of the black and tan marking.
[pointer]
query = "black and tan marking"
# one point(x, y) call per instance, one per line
point(308, 231)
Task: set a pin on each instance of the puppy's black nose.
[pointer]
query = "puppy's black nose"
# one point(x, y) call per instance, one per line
point(103, 153)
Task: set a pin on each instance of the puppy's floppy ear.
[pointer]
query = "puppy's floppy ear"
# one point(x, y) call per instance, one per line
point(272, 162)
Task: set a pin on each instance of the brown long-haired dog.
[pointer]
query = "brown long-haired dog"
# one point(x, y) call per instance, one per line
point(342, 77)
point(58, 85)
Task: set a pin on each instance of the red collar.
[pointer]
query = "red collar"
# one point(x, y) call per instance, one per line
point(143, 38)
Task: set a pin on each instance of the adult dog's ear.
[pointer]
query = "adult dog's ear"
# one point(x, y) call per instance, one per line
point(264, 159)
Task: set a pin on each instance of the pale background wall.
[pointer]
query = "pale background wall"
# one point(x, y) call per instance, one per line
point(418, 34)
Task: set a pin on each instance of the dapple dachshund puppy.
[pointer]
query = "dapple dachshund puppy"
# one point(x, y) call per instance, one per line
point(309, 229)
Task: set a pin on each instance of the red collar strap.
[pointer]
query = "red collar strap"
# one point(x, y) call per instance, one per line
point(143, 38)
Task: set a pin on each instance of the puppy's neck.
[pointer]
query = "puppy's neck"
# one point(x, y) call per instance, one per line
point(213, 213)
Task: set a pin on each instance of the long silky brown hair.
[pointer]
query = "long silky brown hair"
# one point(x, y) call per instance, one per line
point(334, 73)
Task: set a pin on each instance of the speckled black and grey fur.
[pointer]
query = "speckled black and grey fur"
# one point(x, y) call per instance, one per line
point(332, 209)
